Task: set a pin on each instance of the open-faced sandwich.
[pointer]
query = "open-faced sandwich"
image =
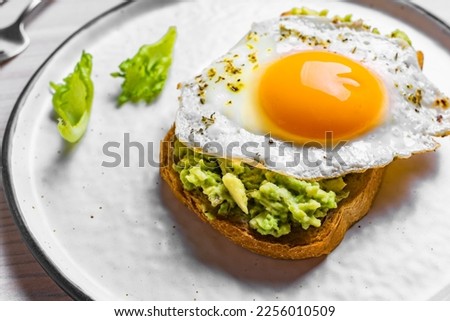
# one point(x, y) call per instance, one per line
point(281, 143)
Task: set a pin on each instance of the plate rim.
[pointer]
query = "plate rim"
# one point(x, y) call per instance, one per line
point(50, 267)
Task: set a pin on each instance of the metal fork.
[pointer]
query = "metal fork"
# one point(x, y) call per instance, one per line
point(13, 39)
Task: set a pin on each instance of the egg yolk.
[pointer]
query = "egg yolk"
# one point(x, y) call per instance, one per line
point(305, 95)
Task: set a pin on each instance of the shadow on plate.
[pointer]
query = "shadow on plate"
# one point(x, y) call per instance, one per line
point(213, 249)
point(400, 179)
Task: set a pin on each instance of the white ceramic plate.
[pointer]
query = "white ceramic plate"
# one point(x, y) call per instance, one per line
point(118, 233)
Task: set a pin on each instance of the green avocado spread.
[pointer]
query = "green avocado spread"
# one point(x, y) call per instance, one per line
point(271, 203)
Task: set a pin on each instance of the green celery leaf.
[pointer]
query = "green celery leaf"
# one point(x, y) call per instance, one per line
point(145, 74)
point(72, 100)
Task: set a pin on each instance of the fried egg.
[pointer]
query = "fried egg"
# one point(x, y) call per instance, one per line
point(313, 98)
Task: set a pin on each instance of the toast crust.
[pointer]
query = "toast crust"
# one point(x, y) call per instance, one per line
point(299, 244)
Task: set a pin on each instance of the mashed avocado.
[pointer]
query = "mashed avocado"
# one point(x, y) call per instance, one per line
point(304, 11)
point(272, 203)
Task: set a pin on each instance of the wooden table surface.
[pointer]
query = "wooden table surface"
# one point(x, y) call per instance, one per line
point(21, 277)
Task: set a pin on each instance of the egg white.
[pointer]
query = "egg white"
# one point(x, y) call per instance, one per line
point(217, 108)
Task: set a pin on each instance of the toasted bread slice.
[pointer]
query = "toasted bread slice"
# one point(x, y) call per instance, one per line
point(299, 244)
